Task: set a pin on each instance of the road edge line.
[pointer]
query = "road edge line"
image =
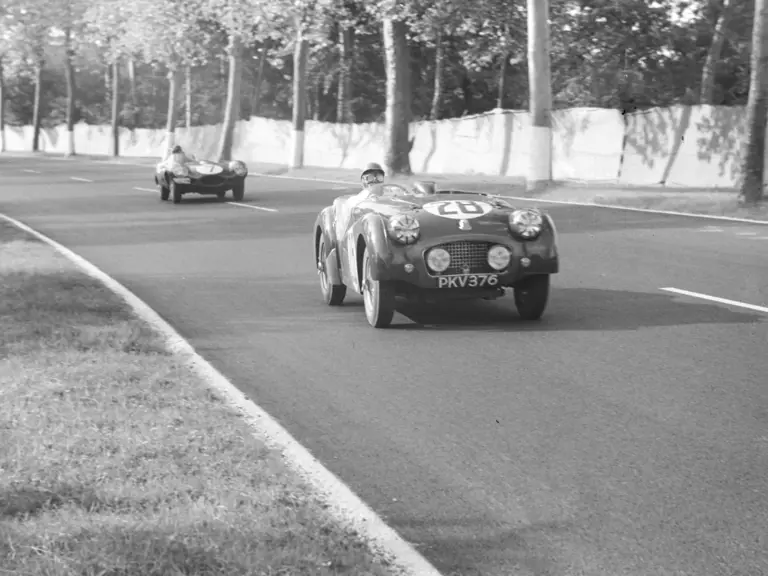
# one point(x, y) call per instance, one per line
point(345, 506)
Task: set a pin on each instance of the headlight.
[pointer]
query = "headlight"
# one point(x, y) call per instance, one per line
point(238, 168)
point(498, 257)
point(404, 228)
point(438, 259)
point(180, 170)
point(526, 223)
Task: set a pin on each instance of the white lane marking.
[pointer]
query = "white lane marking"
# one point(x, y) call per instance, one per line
point(746, 233)
point(711, 229)
point(563, 202)
point(252, 207)
point(31, 171)
point(717, 299)
point(343, 504)
point(80, 179)
point(144, 189)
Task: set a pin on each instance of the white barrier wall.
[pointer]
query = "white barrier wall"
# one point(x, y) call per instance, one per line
point(680, 146)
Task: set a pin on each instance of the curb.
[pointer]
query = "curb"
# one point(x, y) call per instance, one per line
point(344, 505)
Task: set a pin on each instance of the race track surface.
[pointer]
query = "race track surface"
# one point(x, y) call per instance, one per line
point(624, 434)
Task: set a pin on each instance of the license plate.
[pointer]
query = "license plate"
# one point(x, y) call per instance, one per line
point(468, 281)
point(182, 180)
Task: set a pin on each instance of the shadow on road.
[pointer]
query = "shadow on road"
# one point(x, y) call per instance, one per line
point(574, 309)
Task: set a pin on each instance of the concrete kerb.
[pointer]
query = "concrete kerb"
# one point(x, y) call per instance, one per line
point(344, 505)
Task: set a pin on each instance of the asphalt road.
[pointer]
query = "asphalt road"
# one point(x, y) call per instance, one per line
point(624, 434)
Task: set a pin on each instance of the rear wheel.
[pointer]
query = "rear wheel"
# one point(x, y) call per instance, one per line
point(332, 294)
point(176, 193)
point(531, 296)
point(378, 296)
point(238, 191)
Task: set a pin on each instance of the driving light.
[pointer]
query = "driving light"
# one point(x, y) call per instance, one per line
point(180, 170)
point(438, 259)
point(238, 168)
point(404, 228)
point(526, 223)
point(498, 257)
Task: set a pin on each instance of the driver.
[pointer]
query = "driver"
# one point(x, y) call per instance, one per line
point(372, 175)
point(178, 155)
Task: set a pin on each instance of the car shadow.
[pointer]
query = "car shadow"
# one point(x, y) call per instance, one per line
point(573, 309)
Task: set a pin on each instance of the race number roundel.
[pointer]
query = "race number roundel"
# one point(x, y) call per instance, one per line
point(458, 209)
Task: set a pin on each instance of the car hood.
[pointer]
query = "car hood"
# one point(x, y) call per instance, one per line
point(205, 167)
point(441, 214)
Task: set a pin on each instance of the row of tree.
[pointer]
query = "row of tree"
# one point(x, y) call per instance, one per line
point(140, 63)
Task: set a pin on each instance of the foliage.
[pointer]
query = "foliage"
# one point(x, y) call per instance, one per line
point(625, 54)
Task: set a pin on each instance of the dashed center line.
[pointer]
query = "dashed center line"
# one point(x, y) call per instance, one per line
point(144, 189)
point(31, 171)
point(252, 207)
point(80, 179)
point(746, 234)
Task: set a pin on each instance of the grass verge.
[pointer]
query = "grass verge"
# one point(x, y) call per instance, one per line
point(116, 460)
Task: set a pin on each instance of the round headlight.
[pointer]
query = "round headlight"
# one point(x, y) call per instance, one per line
point(180, 170)
point(498, 257)
point(526, 223)
point(404, 228)
point(438, 259)
point(238, 168)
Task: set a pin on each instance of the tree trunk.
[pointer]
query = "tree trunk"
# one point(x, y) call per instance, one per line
point(174, 81)
point(232, 110)
point(115, 151)
point(540, 96)
point(69, 73)
point(713, 56)
point(36, 117)
point(502, 81)
point(299, 96)
point(344, 94)
point(398, 112)
point(757, 108)
point(188, 94)
point(256, 103)
point(135, 113)
point(318, 92)
point(2, 107)
point(437, 95)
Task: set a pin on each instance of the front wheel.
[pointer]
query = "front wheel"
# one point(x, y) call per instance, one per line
point(531, 296)
point(164, 192)
point(176, 193)
point(238, 191)
point(332, 294)
point(378, 296)
point(221, 195)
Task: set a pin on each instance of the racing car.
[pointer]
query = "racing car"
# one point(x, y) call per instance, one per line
point(430, 245)
point(181, 174)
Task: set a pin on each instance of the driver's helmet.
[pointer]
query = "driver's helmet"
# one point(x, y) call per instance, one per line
point(177, 150)
point(373, 174)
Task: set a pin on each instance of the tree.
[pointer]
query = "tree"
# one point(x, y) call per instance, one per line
point(168, 33)
point(28, 27)
point(715, 50)
point(398, 115)
point(757, 109)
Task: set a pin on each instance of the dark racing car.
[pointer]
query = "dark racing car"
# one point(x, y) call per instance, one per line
point(388, 242)
point(180, 174)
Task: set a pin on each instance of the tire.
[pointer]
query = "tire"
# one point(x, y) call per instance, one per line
point(176, 193)
point(531, 296)
point(221, 195)
point(238, 191)
point(332, 294)
point(378, 296)
point(164, 192)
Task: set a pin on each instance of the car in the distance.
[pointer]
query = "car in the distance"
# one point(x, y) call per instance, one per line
point(192, 176)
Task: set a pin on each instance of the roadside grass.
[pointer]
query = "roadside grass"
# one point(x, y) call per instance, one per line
point(116, 460)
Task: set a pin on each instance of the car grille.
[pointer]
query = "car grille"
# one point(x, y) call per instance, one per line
point(211, 180)
point(473, 255)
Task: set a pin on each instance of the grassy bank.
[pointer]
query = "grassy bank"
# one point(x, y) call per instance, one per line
point(116, 460)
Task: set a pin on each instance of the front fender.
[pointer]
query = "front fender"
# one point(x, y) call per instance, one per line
point(324, 229)
point(374, 234)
